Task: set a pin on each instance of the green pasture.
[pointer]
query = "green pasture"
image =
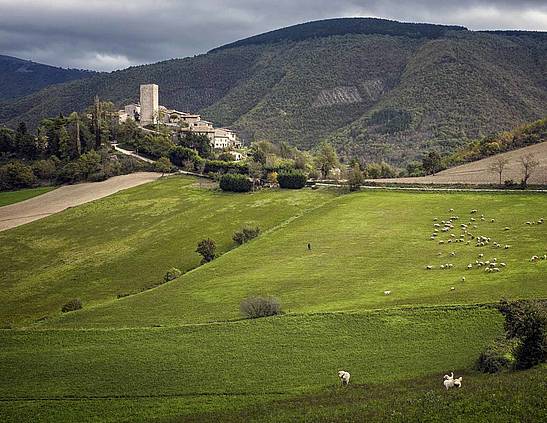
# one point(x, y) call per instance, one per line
point(126, 242)
point(252, 361)
point(11, 197)
point(362, 245)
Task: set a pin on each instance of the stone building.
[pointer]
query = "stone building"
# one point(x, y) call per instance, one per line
point(149, 104)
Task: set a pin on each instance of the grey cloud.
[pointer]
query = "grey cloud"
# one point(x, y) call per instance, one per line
point(106, 35)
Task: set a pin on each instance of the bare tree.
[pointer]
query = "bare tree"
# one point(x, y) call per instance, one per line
point(528, 166)
point(498, 165)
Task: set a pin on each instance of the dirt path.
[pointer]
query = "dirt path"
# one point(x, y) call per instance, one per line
point(68, 196)
point(478, 173)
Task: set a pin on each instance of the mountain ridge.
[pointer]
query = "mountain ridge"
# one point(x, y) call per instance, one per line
point(22, 77)
point(379, 96)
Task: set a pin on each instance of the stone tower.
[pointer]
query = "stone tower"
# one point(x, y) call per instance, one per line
point(149, 104)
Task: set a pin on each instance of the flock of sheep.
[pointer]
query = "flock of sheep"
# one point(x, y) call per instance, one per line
point(448, 381)
point(468, 236)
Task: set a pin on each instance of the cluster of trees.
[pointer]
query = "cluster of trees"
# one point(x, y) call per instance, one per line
point(522, 136)
point(63, 150)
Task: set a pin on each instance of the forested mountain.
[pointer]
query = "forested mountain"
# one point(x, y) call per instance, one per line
point(374, 88)
point(22, 77)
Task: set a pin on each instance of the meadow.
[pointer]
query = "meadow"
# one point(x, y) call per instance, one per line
point(126, 242)
point(202, 363)
point(11, 197)
point(181, 351)
point(362, 244)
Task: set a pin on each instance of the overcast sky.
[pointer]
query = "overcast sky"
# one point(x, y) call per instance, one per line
point(114, 34)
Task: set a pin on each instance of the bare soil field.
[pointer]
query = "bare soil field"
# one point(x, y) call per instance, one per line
point(68, 196)
point(478, 172)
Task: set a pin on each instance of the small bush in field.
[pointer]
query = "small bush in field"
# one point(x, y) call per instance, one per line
point(172, 274)
point(254, 307)
point(235, 183)
point(497, 356)
point(72, 305)
point(292, 179)
point(207, 249)
point(245, 234)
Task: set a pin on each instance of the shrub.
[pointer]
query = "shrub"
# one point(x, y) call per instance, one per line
point(207, 248)
point(219, 166)
point(235, 183)
point(254, 307)
point(16, 175)
point(245, 234)
point(44, 169)
point(293, 179)
point(497, 356)
point(172, 274)
point(526, 321)
point(180, 155)
point(163, 165)
point(72, 305)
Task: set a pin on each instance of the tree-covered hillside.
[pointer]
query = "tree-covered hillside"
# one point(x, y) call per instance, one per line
point(377, 89)
point(23, 77)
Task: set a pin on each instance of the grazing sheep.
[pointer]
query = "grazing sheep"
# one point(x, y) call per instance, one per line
point(528, 223)
point(442, 266)
point(453, 253)
point(344, 377)
point(429, 267)
point(450, 265)
point(503, 264)
point(507, 228)
point(507, 247)
point(463, 278)
point(473, 219)
point(435, 219)
point(474, 211)
point(448, 381)
point(387, 292)
point(441, 242)
point(492, 220)
point(544, 257)
point(452, 288)
point(495, 269)
point(450, 210)
point(470, 266)
point(534, 258)
point(458, 382)
point(481, 255)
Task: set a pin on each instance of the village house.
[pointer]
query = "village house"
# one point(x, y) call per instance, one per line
point(149, 112)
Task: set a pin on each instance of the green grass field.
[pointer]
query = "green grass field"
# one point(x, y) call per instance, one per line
point(126, 242)
point(236, 359)
point(362, 245)
point(180, 352)
point(11, 197)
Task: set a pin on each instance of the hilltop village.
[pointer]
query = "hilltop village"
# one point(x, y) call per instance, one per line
point(148, 113)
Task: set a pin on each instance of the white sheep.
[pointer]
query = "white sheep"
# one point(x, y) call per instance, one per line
point(507, 228)
point(469, 266)
point(474, 211)
point(458, 382)
point(481, 255)
point(344, 377)
point(463, 278)
point(507, 247)
point(503, 264)
point(492, 220)
point(534, 258)
point(453, 253)
point(429, 267)
point(452, 288)
point(387, 292)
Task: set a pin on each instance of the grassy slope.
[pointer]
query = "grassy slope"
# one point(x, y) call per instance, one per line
point(508, 397)
point(11, 197)
point(259, 358)
point(125, 242)
point(362, 244)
